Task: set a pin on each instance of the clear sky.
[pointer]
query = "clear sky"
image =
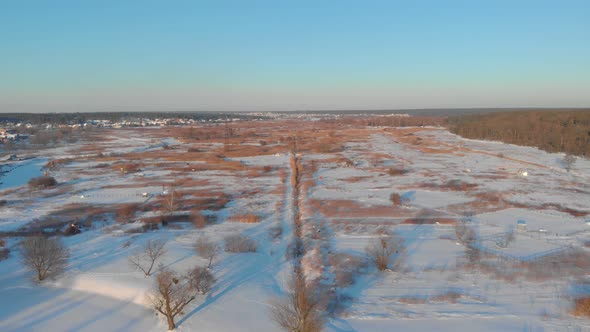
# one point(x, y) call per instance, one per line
point(109, 55)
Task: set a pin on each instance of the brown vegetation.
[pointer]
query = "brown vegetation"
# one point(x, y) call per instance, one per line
point(582, 306)
point(127, 167)
point(126, 213)
point(56, 163)
point(395, 171)
point(247, 218)
point(353, 209)
point(395, 199)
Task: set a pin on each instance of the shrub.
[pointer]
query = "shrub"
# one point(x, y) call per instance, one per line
point(386, 252)
point(275, 232)
point(568, 162)
point(3, 202)
point(4, 252)
point(42, 182)
point(150, 226)
point(240, 243)
point(345, 268)
point(294, 249)
point(201, 279)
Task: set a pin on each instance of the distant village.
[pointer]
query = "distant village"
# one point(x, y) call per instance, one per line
point(14, 130)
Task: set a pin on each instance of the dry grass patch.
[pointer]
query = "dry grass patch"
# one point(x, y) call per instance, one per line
point(247, 218)
point(126, 213)
point(582, 307)
point(130, 167)
point(450, 296)
point(450, 185)
point(214, 201)
point(354, 209)
point(397, 171)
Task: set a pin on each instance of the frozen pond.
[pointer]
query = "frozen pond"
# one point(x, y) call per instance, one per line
point(18, 174)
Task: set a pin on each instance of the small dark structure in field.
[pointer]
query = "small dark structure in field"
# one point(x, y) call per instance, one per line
point(72, 229)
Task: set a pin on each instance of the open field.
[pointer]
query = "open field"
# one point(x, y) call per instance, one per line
point(335, 187)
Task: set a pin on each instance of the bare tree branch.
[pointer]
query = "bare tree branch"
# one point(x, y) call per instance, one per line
point(146, 259)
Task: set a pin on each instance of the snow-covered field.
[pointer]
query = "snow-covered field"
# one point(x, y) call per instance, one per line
point(345, 207)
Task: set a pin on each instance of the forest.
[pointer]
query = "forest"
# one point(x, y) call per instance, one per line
point(552, 131)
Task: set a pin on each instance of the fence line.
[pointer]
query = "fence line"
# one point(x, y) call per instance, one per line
point(517, 258)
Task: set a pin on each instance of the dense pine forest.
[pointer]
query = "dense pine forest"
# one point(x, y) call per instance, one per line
point(552, 131)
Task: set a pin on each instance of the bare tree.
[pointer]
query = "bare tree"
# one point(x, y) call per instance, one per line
point(386, 252)
point(45, 256)
point(464, 233)
point(145, 259)
point(200, 279)
point(569, 161)
point(299, 310)
point(206, 249)
point(506, 238)
point(171, 202)
point(170, 295)
point(473, 254)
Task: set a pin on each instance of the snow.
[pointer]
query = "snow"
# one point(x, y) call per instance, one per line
point(100, 290)
point(18, 174)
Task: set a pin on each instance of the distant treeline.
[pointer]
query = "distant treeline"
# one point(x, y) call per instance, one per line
point(406, 121)
point(552, 131)
point(74, 118)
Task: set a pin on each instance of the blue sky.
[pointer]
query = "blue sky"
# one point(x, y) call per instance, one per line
point(107, 55)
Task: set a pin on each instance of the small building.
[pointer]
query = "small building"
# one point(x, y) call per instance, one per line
point(8, 134)
point(521, 225)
